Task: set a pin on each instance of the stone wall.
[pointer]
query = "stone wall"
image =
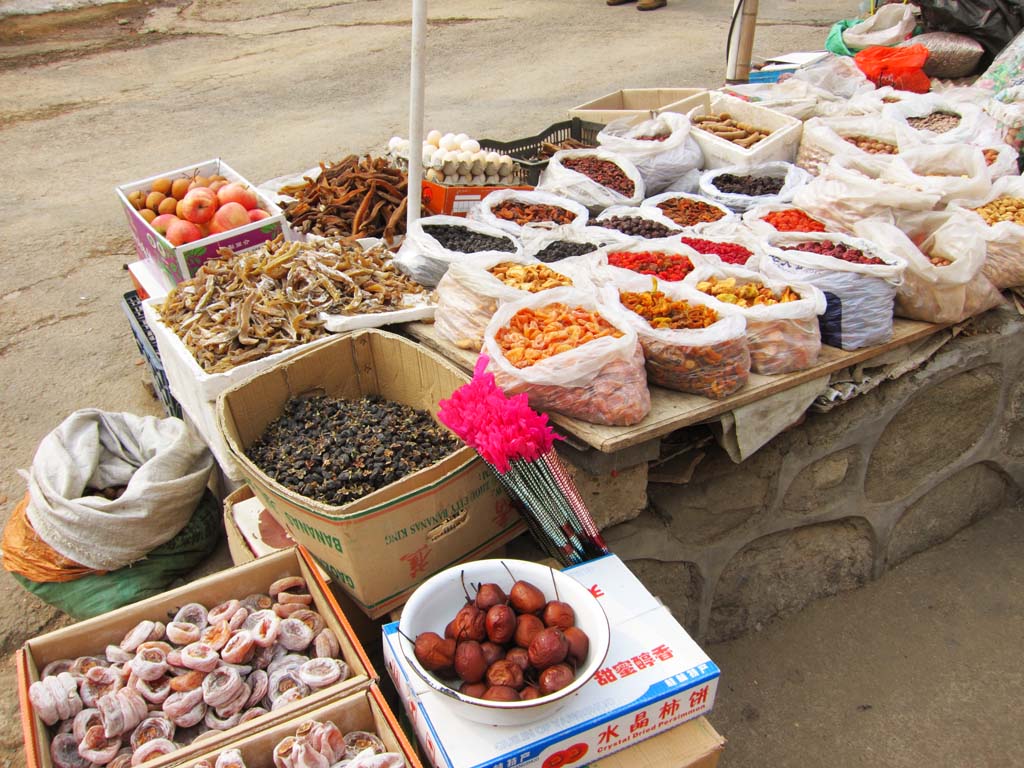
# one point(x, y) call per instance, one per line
point(830, 504)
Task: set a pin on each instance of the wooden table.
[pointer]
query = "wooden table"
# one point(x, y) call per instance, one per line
point(674, 410)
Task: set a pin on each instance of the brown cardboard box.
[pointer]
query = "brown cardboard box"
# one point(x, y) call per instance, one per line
point(380, 547)
point(695, 744)
point(631, 102)
point(451, 200)
point(250, 537)
point(363, 711)
point(90, 637)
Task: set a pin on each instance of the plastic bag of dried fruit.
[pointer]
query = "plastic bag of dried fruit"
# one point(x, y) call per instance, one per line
point(603, 178)
point(471, 291)
point(433, 243)
point(767, 220)
point(850, 189)
point(689, 345)
point(660, 147)
point(944, 281)
point(859, 294)
point(999, 218)
point(731, 243)
point(574, 243)
point(953, 171)
point(636, 223)
point(516, 210)
point(931, 119)
point(825, 137)
point(787, 179)
point(571, 353)
point(667, 260)
point(693, 212)
point(782, 336)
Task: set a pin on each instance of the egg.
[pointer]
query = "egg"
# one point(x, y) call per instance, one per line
point(437, 158)
point(434, 138)
point(470, 145)
point(476, 163)
point(393, 143)
point(465, 160)
point(461, 137)
point(448, 142)
point(505, 167)
point(491, 163)
point(428, 154)
point(478, 180)
point(491, 179)
point(435, 176)
point(451, 164)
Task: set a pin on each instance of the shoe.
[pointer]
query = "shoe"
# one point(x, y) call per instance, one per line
point(650, 5)
point(619, 2)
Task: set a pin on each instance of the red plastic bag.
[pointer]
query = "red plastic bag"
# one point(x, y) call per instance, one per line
point(902, 68)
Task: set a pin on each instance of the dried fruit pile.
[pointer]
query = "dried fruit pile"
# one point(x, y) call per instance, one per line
point(939, 261)
point(724, 126)
point(746, 294)
point(148, 695)
point(336, 451)
point(1003, 208)
point(564, 249)
point(661, 264)
point(465, 240)
point(661, 312)
point(351, 198)
point(536, 334)
point(991, 155)
point(243, 307)
point(604, 172)
point(317, 743)
point(793, 220)
point(528, 277)
point(513, 647)
point(687, 212)
point(936, 122)
point(836, 251)
point(636, 226)
point(730, 253)
point(873, 146)
point(752, 186)
point(526, 213)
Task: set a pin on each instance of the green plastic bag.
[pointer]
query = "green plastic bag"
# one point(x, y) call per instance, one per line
point(834, 42)
point(96, 593)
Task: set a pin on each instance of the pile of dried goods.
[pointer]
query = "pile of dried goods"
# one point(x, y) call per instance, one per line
point(1003, 208)
point(637, 226)
point(661, 312)
point(873, 146)
point(724, 126)
point(564, 249)
point(528, 277)
point(527, 213)
point(535, 334)
point(547, 148)
point(836, 251)
point(936, 122)
point(745, 294)
point(661, 264)
point(793, 220)
point(603, 172)
point(687, 212)
point(465, 240)
point(730, 253)
point(752, 186)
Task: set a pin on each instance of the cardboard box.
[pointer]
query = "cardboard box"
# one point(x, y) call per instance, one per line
point(181, 262)
point(196, 390)
point(90, 637)
point(455, 201)
point(655, 677)
point(363, 711)
point(782, 144)
point(632, 102)
point(695, 744)
point(252, 532)
point(381, 546)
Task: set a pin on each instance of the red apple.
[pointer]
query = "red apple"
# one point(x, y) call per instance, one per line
point(163, 221)
point(237, 192)
point(258, 214)
point(180, 232)
point(199, 205)
point(229, 216)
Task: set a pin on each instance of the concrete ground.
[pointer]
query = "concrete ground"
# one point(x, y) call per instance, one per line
point(105, 95)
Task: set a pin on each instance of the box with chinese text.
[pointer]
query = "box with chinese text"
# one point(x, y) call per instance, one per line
point(654, 678)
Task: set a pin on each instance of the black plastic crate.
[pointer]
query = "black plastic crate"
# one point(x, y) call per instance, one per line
point(525, 151)
point(146, 342)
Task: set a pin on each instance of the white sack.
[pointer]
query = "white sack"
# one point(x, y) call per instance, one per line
point(889, 25)
point(483, 211)
point(660, 162)
point(792, 176)
point(559, 180)
point(425, 260)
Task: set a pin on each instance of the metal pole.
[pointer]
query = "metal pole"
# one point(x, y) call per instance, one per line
point(741, 42)
point(419, 50)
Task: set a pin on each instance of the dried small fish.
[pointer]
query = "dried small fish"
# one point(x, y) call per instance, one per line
point(243, 307)
point(351, 198)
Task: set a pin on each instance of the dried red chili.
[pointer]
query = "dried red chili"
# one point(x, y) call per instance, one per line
point(730, 253)
point(663, 265)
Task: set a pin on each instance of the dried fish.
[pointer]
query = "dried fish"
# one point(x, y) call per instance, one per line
point(351, 198)
point(242, 307)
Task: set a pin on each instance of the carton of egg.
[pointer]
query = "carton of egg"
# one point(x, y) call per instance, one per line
point(454, 158)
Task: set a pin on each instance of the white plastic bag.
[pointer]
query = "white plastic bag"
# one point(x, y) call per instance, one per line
point(484, 210)
point(948, 293)
point(1004, 160)
point(660, 162)
point(667, 260)
point(601, 381)
point(646, 214)
point(559, 180)
point(733, 233)
point(469, 293)
point(953, 171)
point(754, 220)
point(849, 189)
point(825, 137)
point(973, 121)
point(839, 75)
point(792, 179)
point(536, 242)
point(426, 260)
point(711, 361)
point(792, 97)
point(689, 211)
point(859, 297)
point(889, 25)
point(162, 464)
point(1004, 240)
point(782, 337)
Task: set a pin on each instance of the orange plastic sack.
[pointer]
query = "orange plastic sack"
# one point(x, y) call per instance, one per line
point(28, 555)
point(902, 68)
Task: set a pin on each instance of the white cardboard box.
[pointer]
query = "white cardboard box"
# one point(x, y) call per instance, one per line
point(654, 678)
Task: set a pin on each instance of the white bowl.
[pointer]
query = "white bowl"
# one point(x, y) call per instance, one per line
point(437, 600)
